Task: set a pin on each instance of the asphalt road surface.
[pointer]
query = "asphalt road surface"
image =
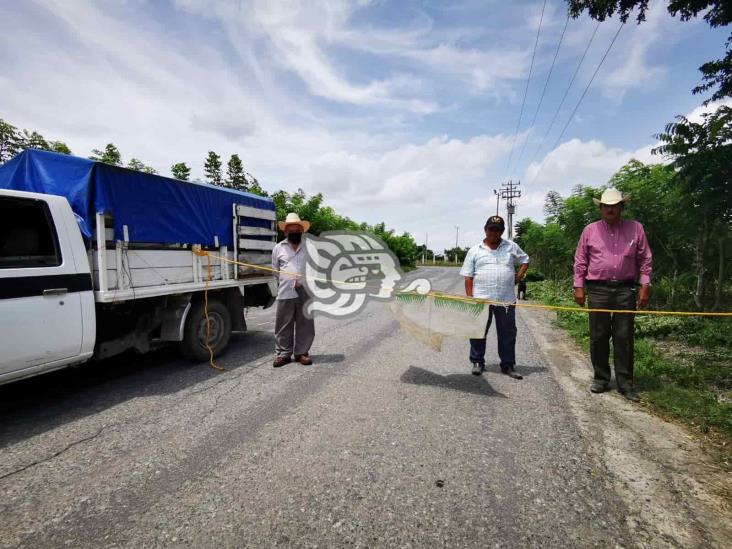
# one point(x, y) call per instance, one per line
point(381, 443)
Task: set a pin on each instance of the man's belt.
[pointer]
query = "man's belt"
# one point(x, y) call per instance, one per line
point(611, 283)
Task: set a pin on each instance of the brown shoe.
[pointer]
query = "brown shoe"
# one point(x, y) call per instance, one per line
point(281, 361)
point(305, 359)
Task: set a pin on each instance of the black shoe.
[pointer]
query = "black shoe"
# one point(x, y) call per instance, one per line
point(630, 394)
point(598, 387)
point(510, 372)
point(477, 368)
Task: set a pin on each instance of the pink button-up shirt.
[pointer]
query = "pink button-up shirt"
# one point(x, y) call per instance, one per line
point(612, 253)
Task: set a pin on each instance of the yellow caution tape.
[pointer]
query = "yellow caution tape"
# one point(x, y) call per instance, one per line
point(468, 299)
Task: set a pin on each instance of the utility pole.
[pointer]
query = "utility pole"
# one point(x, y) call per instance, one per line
point(498, 199)
point(509, 191)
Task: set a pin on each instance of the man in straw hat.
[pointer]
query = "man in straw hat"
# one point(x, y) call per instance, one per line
point(294, 332)
point(612, 264)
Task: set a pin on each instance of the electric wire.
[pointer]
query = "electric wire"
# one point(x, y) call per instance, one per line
point(543, 92)
point(566, 94)
point(526, 89)
point(579, 102)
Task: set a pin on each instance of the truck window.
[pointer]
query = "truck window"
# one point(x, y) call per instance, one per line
point(27, 235)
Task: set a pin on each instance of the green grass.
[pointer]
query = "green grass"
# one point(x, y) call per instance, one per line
point(683, 365)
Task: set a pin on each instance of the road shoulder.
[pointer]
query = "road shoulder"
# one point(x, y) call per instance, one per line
point(674, 490)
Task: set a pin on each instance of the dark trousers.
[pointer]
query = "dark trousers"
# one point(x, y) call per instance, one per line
point(619, 326)
point(521, 290)
point(294, 332)
point(505, 333)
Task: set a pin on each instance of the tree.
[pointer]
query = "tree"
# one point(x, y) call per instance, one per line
point(180, 171)
point(255, 187)
point(715, 74)
point(553, 205)
point(577, 211)
point(110, 155)
point(235, 174)
point(456, 254)
point(423, 252)
point(135, 164)
point(702, 156)
point(59, 147)
point(34, 140)
point(656, 200)
point(212, 168)
point(10, 141)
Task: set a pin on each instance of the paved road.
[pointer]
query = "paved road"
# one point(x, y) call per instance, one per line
point(381, 443)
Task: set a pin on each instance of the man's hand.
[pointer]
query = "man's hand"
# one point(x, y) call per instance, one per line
point(644, 294)
point(469, 286)
point(518, 278)
point(579, 296)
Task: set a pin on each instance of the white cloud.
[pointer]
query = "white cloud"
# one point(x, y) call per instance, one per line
point(572, 163)
point(697, 114)
point(301, 35)
point(409, 174)
point(297, 35)
point(633, 62)
point(581, 162)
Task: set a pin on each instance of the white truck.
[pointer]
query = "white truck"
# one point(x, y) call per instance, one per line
point(96, 260)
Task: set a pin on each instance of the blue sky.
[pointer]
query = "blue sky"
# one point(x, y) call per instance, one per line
point(403, 112)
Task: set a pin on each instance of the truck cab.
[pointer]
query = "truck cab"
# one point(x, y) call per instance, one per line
point(46, 292)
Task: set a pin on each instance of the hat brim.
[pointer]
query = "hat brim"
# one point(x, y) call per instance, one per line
point(304, 224)
point(597, 202)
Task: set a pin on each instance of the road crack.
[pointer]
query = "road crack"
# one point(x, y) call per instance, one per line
point(54, 455)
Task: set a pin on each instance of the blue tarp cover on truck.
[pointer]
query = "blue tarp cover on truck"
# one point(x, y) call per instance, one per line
point(155, 209)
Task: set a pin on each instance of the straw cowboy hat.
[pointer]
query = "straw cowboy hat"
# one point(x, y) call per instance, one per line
point(610, 197)
point(294, 219)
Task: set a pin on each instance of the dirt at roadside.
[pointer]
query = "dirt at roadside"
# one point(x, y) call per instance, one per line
point(676, 490)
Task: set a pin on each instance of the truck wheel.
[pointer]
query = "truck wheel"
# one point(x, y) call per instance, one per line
point(193, 345)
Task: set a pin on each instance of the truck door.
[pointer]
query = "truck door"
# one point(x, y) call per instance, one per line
point(40, 304)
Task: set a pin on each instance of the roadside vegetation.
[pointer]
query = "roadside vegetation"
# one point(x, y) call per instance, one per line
point(683, 365)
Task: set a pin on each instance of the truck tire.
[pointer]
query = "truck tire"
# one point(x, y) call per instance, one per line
point(193, 345)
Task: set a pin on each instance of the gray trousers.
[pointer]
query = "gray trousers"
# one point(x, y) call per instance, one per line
point(294, 332)
point(620, 327)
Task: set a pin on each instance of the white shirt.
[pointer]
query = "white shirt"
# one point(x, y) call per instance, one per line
point(284, 258)
point(494, 271)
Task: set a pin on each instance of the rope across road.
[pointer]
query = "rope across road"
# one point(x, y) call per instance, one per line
point(466, 299)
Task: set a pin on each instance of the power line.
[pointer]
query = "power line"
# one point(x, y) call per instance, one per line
point(571, 116)
point(566, 93)
point(543, 92)
point(526, 90)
